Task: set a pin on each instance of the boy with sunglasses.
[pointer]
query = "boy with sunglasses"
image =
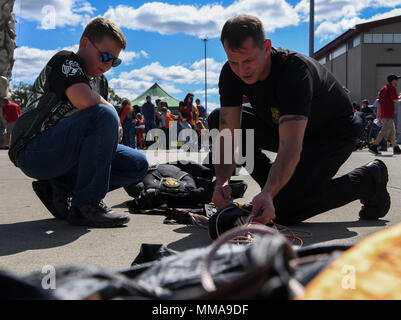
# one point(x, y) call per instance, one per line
point(67, 136)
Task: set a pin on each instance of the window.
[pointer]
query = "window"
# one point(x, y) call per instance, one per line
point(367, 38)
point(339, 51)
point(356, 42)
point(382, 38)
point(388, 37)
point(377, 38)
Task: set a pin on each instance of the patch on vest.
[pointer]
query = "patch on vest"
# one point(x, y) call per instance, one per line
point(171, 182)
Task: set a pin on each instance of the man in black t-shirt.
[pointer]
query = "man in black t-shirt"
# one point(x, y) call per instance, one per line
point(299, 110)
point(67, 136)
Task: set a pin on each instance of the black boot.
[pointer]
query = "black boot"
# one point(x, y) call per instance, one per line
point(373, 149)
point(378, 204)
point(396, 150)
point(54, 199)
point(96, 215)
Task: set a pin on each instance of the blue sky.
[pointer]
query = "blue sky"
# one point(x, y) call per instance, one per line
point(165, 37)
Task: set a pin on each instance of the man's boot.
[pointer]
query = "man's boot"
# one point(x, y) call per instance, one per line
point(373, 149)
point(396, 150)
point(96, 215)
point(378, 204)
point(54, 199)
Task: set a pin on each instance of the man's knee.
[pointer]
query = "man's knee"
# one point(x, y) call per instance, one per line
point(142, 166)
point(105, 115)
point(139, 167)
point(290, 209)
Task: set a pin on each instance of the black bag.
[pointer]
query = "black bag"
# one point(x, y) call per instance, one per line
point(178, 186)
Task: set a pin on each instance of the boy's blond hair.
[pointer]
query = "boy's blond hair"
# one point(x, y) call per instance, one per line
point(100, 27)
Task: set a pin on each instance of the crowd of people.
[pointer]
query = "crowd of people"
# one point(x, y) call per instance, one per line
point(381, 121)
point(137, 121)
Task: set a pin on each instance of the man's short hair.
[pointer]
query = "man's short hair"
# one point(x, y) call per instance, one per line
point(98, 28)
point(148, 97)
point(239, 28)
point(124, 102)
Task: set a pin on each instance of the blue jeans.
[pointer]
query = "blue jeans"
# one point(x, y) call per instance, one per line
point(127, 138)
point(81, 155)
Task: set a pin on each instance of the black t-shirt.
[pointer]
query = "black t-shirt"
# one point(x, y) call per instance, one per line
point(296, 85)
point(47, 102)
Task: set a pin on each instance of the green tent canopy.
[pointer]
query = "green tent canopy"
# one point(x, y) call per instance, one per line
point(157, 92)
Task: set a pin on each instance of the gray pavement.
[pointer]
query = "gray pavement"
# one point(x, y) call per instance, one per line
point(30, 238)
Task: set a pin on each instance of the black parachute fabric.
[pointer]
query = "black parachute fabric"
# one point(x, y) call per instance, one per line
point(262, 270)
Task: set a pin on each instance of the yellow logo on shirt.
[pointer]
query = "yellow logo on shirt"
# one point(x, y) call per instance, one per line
point(275, 115)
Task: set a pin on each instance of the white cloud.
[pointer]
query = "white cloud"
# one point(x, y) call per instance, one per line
point(179, 74)
point(129, 88)
point(212, 65)
point(389, 14)
point(171, 78)
point(51, 14)
point(144, 54)
point(211, 106)
point(133, 88)
point(201, 21)
point(335, 17)
point(128, 56)
point(210, 91)
point(328, 29)
point(30, 61)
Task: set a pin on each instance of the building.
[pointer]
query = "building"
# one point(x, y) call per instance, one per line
point(362, 57)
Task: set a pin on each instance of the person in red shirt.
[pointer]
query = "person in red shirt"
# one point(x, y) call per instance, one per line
point(126, 122)
point(186, 111)
point(387, 98)
point(11, 113)
point(140, 130)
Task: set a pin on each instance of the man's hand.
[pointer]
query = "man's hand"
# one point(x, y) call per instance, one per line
point(263, 208)
point(222, 196)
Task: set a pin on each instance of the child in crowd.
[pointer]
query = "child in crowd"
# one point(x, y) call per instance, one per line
point(140, 131)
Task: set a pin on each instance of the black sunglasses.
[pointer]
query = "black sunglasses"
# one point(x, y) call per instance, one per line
point(106, 57)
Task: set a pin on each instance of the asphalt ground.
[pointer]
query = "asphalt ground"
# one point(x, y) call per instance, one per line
point(30, 238)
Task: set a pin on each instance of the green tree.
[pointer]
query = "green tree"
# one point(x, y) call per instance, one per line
point(19, 93)
point(114, 99)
